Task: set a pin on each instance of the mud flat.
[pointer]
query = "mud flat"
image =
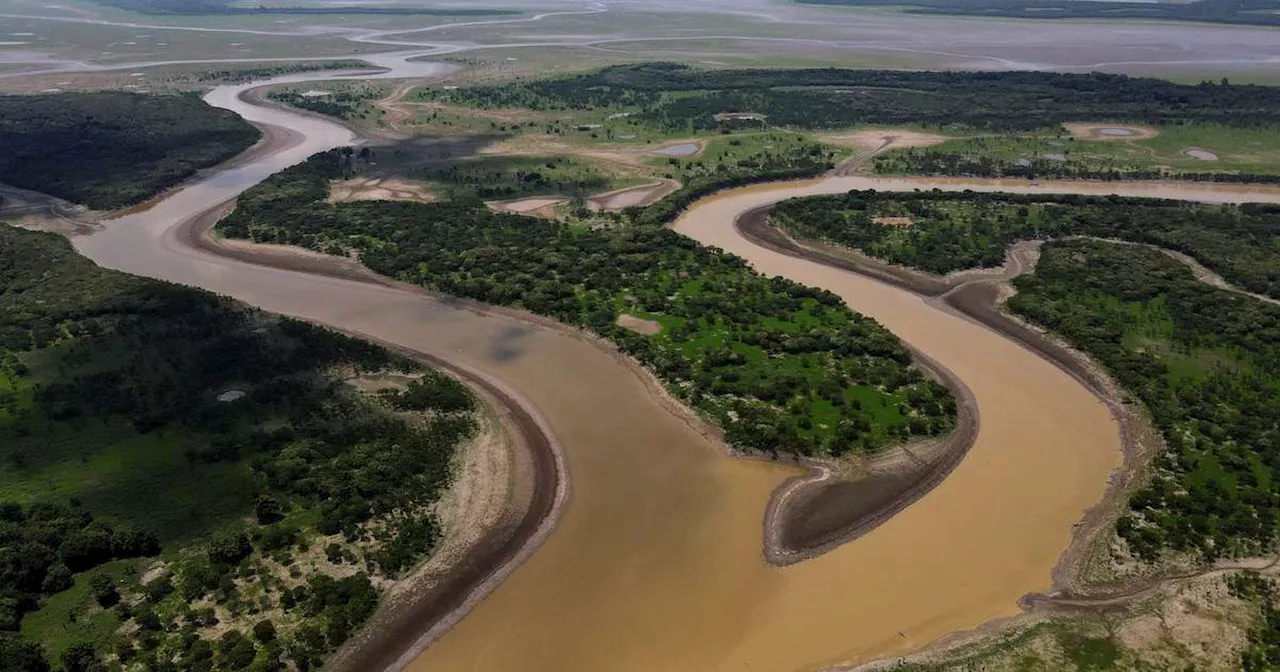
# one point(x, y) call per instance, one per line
point(680, 149)
point(631, 196)
point(528, 206)
point(1110, 132)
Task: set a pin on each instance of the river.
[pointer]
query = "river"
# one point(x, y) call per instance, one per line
point(656, 562)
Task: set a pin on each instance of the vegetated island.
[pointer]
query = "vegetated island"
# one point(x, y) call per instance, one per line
point(1000, 124)
point(1249, 12)
point(110, 149)
point(192, 484)
point(1202, 360)
point(783, 368)
point(676, 96)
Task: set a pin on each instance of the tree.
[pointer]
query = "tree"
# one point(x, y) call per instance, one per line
point(229, 549)
point(81, 658)
point(17, 655)
point(235, 651)
point(264, 631)
point(268, 510)
point(58, 579)
point(103, 589)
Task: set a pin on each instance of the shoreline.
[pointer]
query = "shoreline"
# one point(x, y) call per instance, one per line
point(977, 298)
point(396, 635)
point(404, 634)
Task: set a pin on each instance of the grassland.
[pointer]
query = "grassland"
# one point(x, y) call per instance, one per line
point(783, 368)
point(1224, 150)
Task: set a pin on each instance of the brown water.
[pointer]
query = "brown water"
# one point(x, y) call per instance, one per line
point(656, 563)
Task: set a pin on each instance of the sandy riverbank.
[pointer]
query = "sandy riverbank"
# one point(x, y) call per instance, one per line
point(977, 296)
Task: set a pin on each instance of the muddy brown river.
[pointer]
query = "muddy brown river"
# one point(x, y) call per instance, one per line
point(656, 561)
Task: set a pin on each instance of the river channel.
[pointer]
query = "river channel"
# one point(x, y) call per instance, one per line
point(656, 563)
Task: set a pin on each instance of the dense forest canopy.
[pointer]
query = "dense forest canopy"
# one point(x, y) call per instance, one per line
point(1204, 361)
point(110, 149)
point(947, 231)
point(780, 366)
point(677, 96)
point(1255, 12)
point(139, 417)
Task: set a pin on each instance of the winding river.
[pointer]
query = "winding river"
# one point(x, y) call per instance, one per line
point(655, 562)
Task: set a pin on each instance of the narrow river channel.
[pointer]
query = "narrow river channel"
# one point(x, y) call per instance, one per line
point(656, 561)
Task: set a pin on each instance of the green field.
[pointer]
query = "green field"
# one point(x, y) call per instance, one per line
point(1248, 150)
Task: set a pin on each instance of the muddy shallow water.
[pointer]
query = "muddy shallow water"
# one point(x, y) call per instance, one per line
point(656, 563)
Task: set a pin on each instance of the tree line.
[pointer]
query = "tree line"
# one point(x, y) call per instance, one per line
point(1204, 361)
point(782, 367)
point(962, 164)
point(951, 231)
point(99, 368)
point(677, 97)
point(110, 149)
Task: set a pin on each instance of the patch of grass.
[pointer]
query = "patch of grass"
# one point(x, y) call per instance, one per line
point(1245, 150)
point(1090, 653)
point(73, 617)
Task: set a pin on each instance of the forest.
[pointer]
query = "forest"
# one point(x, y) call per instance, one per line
point(111, 149)
point(1204, 361)
point(1252, 12)
point(941, 232)
point(1206, 364)
point(672, 96)
point(782, 367)
point(190, 484)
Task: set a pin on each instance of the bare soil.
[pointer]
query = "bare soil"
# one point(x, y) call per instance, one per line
point(1093, 132)
point(631, 196)
point(378, 189)
point(638, 325)
point(540, 206)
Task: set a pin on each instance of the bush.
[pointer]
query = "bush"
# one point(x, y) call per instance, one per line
point(264, 631)
point(103, 589)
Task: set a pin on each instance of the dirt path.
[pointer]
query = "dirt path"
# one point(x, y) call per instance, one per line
point(1199, 270)
point(394, 113)
point(870, 143)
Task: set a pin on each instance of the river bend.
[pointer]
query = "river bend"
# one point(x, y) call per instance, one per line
point(656, 561)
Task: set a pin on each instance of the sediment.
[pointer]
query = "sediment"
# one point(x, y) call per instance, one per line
point(824, 513)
